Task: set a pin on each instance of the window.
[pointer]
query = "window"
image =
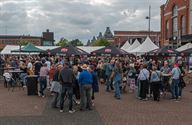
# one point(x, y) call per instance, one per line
point(182, 25)
point(175, 21)
point(167, 30)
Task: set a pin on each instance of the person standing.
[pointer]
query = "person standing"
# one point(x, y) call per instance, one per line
point(56, 86)
point(155, 82)
point(165, 70)
point(108, 71)
point(131, 77)
point(116, 76)
point(95, 86)
point(66, 77)
point(42, 79)
point(144, 79)
point(175, 73)
point(85, 82)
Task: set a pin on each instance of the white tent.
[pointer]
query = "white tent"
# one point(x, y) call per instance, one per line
point(90, 49)
point(126, 45)
point(133, 46)
point(7, 49)
point(146, 46)
point(184, 47)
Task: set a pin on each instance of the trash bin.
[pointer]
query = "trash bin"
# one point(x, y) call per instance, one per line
point(32, 83)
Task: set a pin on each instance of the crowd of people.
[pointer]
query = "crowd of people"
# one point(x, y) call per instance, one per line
point(78, 78)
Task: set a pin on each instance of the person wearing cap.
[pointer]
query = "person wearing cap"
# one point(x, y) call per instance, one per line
point(85, 82)
point(66, 78)
point(175, 73)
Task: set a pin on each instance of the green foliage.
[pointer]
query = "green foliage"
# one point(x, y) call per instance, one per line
point(64, 42)
point(101, 42)
point(24, 42)
point(76, 42)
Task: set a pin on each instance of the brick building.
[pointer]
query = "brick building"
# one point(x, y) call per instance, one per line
point(47, 39)
point(123, 36)
point(176, 22)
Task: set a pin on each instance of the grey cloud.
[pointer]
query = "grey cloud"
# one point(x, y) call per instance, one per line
point(76, 18)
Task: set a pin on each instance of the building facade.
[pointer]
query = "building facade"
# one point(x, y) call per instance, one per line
point(47, 39)
point(176, 22)
point(122, 36)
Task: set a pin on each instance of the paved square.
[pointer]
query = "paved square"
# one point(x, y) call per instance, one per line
point(18, 108)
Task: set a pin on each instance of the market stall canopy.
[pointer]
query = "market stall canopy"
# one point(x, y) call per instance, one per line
point(184, 47)
point(90, 49)
point(29, 48)
point(145, 47)
point(8, 48)
point(126, 46)
point(187, 52)
point(68, 51)
point(135, 44)
point(109, 51)
point(164, 51)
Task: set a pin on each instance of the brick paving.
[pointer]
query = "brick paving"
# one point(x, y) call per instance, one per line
point(131, 111)
point(16, 108)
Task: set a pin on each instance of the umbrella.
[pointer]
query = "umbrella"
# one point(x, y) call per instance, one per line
point(29, 48)
point(109, 51)
point(164, 51)
point(68, 51)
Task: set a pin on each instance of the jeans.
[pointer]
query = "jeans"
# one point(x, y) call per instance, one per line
point(117, 89)
point(108, 84)
point(175, 88)
point(43, 85)
point(85, 93)
point(55, 100)
point(69, 91)
point(23, 77)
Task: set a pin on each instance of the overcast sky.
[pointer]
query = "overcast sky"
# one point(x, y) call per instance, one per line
point(73, 19)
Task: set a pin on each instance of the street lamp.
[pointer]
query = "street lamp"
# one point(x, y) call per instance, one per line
point(149, 18)
point(20, 47)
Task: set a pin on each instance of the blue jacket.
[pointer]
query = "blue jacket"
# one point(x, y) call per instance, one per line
point(85, 78)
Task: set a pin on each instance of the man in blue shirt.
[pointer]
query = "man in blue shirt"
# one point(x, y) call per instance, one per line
point(85, 82)
point(176, 72)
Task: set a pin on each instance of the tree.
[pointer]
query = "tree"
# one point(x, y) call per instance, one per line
point(101, 42)
point(76, 42)
point(63, 42)
point(23, 42)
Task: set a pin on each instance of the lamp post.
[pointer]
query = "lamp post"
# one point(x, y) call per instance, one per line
point(149, 19)
point(20, 47)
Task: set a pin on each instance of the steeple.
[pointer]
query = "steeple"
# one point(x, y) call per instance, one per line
point(108, 34)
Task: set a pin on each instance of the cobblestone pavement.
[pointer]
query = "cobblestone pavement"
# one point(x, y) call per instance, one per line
point(16, 108)
point(131, 111)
